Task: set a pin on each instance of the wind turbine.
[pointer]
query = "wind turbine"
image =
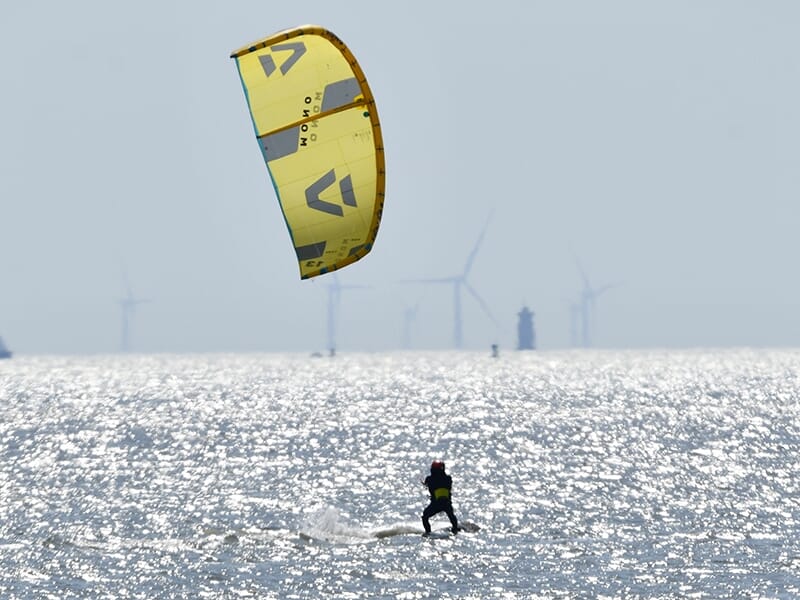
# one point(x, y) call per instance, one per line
point(458, 282)
point(128, 304)
point(588, 305)
point(334, 299)
point(409, 316)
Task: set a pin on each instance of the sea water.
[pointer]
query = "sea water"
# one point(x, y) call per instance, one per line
point(590, 474)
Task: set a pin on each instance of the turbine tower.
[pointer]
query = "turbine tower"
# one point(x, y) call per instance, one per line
point(128, 304)
point(587, 310)
point(460, 282)
point(334, 299)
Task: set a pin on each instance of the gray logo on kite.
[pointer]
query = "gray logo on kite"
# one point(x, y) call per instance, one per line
point(268, 64)
point(323, 183)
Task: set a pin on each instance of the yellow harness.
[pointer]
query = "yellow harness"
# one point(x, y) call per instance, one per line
point(440, 493)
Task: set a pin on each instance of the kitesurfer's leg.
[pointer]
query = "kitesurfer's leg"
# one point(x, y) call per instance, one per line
point(452, 516)
point(429, 511)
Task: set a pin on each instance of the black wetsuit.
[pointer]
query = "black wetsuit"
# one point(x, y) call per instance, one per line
point(439, 485)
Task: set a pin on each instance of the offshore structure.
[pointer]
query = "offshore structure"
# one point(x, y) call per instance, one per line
point(526, 336)
point(4, 352)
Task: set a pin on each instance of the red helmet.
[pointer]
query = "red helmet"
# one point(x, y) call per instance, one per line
point(437, 465)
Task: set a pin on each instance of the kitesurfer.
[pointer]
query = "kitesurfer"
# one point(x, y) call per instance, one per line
point(439, 485)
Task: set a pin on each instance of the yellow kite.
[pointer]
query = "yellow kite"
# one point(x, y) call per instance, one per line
point(317, 127)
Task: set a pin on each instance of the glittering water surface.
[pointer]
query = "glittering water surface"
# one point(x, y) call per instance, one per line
point(591, 474)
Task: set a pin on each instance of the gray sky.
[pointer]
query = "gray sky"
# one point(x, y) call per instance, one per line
point(659, 142)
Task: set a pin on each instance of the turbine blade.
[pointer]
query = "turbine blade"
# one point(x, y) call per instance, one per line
point(480, 301)
point(605, 288)
point(471, 257)
point(587, 287)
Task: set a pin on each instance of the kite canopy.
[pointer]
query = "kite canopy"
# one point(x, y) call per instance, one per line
point(317, 126)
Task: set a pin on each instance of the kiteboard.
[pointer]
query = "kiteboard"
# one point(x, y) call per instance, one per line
point(447, 531)
point(439, 533)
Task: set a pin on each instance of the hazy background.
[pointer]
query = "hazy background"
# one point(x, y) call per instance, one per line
point(658, 142)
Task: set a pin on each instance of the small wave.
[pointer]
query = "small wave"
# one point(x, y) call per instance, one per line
point(328, 525)
point(56, 541)
point(399, 529)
